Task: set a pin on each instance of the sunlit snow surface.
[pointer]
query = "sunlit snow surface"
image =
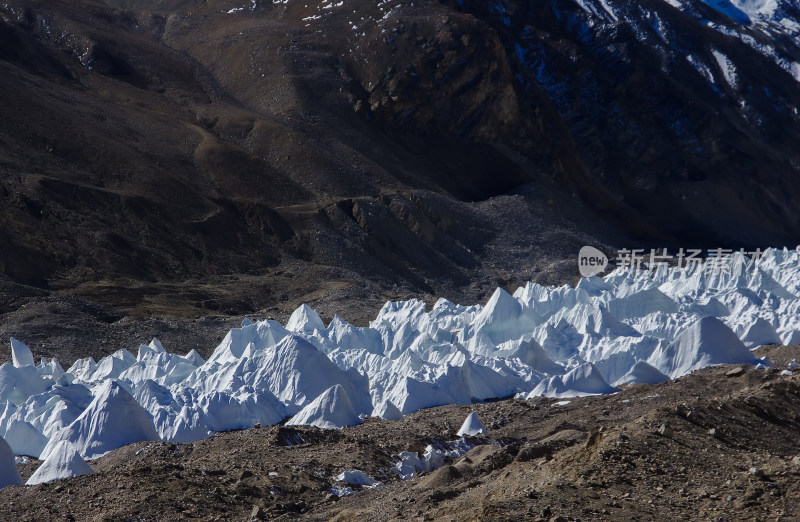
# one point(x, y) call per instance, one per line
point(631, 326)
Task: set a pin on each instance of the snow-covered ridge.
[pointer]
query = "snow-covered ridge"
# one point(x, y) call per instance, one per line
point(769, 27)
point(631, 326)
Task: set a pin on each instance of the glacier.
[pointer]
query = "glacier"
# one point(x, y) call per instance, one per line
point(631, 326)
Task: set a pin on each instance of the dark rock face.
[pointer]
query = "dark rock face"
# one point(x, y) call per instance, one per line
point(212, 156)
point(684, 131)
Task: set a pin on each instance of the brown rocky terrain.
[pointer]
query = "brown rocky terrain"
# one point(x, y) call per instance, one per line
point(167, 167)
point(718, 444)
point(172, 159)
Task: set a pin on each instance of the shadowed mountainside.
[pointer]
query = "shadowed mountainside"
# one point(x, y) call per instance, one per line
point(186, 158)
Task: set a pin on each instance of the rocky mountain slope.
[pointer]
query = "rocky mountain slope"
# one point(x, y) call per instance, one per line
point(186, 158)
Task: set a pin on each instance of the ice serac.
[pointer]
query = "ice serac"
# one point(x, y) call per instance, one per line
point(151, 396)
point(706, 306)
point(454, 383)
point(345, 336)
point(50, 411)
point(112, 420)
point(194, 358)
point(241, 409)
point(503, 318)
point(165, 368)
point(155, 344)
point(759, 333)
point(50, 369)
point(386, 410)
point(643, 373)
point(532, 354)
point(83, 368)
point(305, 320)
point(262, 335)
point(21, 355)
point(641, 303)
point(581, 381)
point(472, 426)
point(793, 338)
point(155, 347)
point(296, 373)
point(561, 341)
point(706, 342)
point(173, 421)
point(64, 462)
point(9, 475)
point(24, 439)
point(112, 366)
point(410, 462)
point(331, 410)
point(356, 478)
point(19, 383)
point(632, 326)
point(394, 313)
